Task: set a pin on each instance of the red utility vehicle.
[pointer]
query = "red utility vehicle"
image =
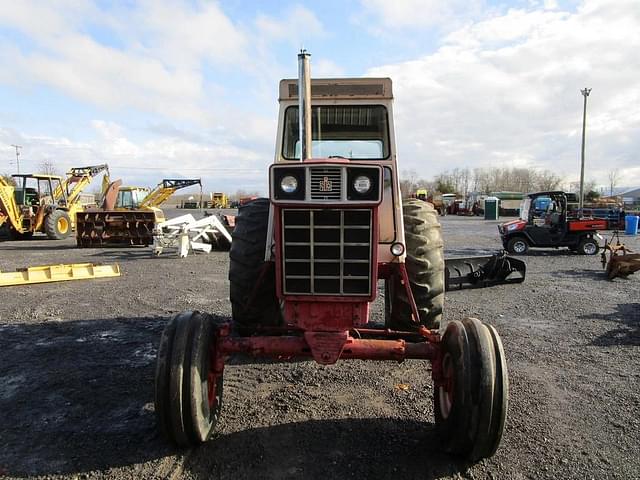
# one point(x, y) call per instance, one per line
point(544, 223)
point(304, 269)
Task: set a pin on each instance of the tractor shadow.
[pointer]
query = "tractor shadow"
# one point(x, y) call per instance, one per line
point(31, 245)
point(318, 449)
point(77, 397)
point(551, 252)
point(581, 273)
point(627, 331)
point(124, 253)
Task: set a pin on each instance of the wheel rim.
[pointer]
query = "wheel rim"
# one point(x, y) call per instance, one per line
point(589, 248)
point(212, 389)
point(63, 225)
point(445, 391)
point(519, 246)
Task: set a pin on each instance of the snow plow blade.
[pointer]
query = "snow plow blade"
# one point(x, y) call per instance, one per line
point(482, 271)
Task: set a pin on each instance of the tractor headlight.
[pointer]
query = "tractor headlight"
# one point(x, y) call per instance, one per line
point(362, 184)
point(397, 249)
point(289, 184)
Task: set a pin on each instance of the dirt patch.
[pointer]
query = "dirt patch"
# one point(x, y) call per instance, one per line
point(77, 361)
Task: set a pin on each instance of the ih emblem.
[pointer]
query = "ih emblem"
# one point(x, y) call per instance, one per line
point(325, 185)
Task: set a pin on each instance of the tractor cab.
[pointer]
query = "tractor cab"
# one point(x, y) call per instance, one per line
point(131, 197)
point(35, 195)
point(544, 222)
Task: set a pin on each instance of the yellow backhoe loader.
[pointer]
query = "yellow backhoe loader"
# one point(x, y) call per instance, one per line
point(44, 203)
point(219, 200)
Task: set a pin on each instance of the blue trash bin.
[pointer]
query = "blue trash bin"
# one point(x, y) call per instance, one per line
point(631, 224)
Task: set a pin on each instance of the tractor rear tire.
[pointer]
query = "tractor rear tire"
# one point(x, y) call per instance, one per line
point(588, 246)
point(57, 225)
point(470, 404)
point(252, 287)
point(425, 268)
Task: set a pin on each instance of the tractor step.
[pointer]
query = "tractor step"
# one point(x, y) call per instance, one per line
point(58, 273)
point(483, 271)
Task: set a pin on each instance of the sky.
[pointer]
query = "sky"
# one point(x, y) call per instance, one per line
point(189, 88)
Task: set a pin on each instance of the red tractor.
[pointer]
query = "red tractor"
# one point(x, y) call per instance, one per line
point(304, 268)
point(545, 222)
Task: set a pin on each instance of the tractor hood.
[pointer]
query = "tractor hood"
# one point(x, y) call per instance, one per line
point(512, 226)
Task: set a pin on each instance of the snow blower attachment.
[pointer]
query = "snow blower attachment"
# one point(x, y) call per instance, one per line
point(304, 267)
point(128, 215)
point(483, 271)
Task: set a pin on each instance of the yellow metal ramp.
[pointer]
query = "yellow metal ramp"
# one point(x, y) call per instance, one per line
point(58, 273)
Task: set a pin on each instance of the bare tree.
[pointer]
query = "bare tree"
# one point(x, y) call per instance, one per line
point(547, 180)
point(465, 181)
point(8, 178)
point(487, 180)
point(614, 178)
point(48, 167)
point(408, 182)
point(240, 193)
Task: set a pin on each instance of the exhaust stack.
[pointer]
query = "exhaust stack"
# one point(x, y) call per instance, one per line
point(304, 104)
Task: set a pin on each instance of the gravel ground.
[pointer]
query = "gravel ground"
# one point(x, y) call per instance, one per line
point(77, 360)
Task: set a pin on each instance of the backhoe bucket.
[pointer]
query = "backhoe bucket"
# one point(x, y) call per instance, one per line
point(622, 261)
point(482, 271)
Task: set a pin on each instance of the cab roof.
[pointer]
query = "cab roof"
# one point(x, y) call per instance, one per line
point(539, 194)
point(340, 88)
point(40, 176)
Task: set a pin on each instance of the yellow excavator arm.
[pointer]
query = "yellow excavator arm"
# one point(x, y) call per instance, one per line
point(165, 189)
point(77, 180)
point(8, 208)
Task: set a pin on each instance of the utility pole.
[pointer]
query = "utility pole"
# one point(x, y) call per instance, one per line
point(17, 147)
point(585, 94)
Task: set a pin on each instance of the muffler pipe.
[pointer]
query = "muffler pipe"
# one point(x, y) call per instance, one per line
point(304, 104)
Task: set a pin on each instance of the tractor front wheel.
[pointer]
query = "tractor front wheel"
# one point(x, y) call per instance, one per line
point(472, 391)
point(57, 225)
point(188, 383)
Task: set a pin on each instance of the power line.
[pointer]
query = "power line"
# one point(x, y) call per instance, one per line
point(17, 147)
point(192, 169)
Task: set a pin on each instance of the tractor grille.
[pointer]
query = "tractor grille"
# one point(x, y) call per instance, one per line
point(326, 252)
point(326, 183)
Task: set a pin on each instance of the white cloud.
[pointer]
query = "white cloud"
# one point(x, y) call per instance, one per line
point(506, 91)
point(145, 162)
point(150, 61)
point(416, 13)
point(325, 68)
point(293, 25)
